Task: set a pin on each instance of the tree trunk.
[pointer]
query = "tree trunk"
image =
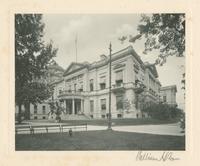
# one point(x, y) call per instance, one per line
point(19, 113)
point(27, 111)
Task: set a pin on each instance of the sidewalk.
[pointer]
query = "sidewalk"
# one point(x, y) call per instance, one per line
point(164, 129)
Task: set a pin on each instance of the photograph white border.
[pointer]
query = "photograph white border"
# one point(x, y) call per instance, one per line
point(8, 155)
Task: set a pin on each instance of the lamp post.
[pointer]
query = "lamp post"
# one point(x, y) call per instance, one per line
point(109, 115)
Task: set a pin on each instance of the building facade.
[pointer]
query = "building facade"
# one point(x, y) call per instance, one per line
point(168, 95)
point(84, 88)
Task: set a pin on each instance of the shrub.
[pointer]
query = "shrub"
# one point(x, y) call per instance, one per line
point(162, 111)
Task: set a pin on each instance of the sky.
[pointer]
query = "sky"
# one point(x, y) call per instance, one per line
point(94, 32)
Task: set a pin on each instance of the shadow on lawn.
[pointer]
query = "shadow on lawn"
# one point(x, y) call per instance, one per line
point(98, 140)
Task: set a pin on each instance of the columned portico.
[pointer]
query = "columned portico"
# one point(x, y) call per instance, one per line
point(73, 106)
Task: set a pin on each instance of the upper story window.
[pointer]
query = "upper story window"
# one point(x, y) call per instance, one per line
point(81, 87)
point(80, 77)
point(91, 85)
point(43, 109)
point(70, 88)
point(74, 87)
point(119, 77)
point(102, 82)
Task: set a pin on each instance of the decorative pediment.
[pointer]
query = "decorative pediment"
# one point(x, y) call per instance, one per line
point(74, 67)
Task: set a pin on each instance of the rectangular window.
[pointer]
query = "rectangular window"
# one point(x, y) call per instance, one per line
point(81, 87)
point(35, 117)
point(103, 104)
point(43, 117)
point(75, 87)
point(119, 77)
point(119, 102)
point(102, 86)
point(164, 98)
point(102, 81)
point(35, 109)
point(119, 115)
point(70, 88)
point(91, 85)
point(44, 109)
point(91, 106)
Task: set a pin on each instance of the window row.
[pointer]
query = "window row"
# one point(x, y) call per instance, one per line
point(79, 77)
point(119, 103)
point(102, 80)
point(36, 109)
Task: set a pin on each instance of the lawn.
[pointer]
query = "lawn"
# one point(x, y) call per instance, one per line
point(99, 140)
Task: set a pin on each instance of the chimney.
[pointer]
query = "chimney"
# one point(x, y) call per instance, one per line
point(102, 57)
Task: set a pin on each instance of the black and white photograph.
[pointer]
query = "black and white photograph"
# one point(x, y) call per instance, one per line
point(100, 82)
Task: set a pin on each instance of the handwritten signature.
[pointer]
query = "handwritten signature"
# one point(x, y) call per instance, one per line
point(164, 156)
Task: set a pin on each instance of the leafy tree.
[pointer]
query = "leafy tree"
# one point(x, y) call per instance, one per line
point(57, 109)
point(163, 32)
point(32, 57)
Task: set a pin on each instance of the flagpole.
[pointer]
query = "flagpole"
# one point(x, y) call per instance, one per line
point(76, 47)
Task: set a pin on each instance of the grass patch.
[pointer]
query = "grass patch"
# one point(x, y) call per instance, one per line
point(99, 140)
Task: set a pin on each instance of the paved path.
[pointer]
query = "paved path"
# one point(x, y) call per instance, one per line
point(163, 129)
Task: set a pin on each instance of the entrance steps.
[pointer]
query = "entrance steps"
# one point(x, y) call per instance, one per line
point(74, 117)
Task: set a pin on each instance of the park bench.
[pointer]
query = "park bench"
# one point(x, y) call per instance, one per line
point(19, 129)
point(46, 128)
point(60, 127)
point(77, 126)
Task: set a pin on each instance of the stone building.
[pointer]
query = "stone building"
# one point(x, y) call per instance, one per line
point(168, 95)
point(84, 89)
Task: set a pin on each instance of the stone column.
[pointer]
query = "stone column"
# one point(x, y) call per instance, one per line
point(73, 107)
point(82, 106)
